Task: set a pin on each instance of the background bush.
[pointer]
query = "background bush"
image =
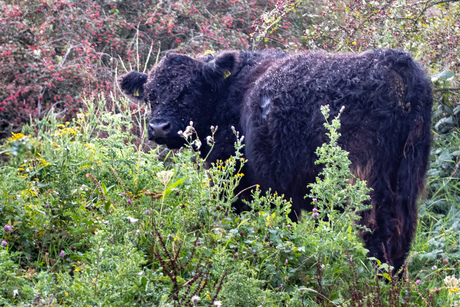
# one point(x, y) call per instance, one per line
point(54, 53)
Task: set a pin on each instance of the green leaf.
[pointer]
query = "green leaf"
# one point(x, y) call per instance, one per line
point(456, 110)
point(104, 188)
point(442, 76)
point(107, 206)
point(172, 186)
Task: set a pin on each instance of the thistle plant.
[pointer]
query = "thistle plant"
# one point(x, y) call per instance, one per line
point(337, 202)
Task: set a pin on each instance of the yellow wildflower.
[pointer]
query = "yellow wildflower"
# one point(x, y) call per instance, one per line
point(43, 161)
point(15, 137)
point(69, 131)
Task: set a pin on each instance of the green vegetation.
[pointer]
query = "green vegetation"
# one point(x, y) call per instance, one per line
point(92, 219)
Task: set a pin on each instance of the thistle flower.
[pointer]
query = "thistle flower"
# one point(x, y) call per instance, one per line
point(4, 243)
point(147, 211)
point(62, 254)
point(7, 228)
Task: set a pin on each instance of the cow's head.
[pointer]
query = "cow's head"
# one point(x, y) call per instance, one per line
point(180, 89)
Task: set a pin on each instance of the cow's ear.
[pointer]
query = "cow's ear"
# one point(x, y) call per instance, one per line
point(221, 67)
point(132, 85)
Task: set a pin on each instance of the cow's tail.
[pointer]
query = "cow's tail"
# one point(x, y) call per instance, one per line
point(415, 144)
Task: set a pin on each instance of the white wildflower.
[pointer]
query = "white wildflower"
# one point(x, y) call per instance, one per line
point(132, 220)
point(165, 177)
point(195, 299)
point(196, 144)
point(209, 140)
point(451, 281)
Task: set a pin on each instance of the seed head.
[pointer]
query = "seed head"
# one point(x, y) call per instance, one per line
point(195, 299)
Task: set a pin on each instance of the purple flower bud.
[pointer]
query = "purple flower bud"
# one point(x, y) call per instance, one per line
point(286, 277)
point(417, 281)
point(7, 228)
point(147, 211)
point(282, 285)
point(47, 205)
point(198, 243)
point(286, 262)
point(4, 243)
point(315, 200)
point(129, 201)
point(62, 254)
point(315, 214)
point(315, 209)
point(122, 193)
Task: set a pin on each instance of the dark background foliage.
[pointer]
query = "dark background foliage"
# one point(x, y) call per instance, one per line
point(53, 53)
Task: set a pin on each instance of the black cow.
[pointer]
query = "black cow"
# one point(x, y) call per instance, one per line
point(274, 99)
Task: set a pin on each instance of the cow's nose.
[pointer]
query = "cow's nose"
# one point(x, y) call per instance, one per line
point(160, 128)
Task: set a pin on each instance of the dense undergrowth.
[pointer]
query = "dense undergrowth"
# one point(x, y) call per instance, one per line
point(90, 219)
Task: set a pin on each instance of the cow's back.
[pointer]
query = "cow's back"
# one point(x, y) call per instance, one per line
point(385, 127)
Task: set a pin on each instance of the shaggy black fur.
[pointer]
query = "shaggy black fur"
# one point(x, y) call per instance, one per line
point(274, 99)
